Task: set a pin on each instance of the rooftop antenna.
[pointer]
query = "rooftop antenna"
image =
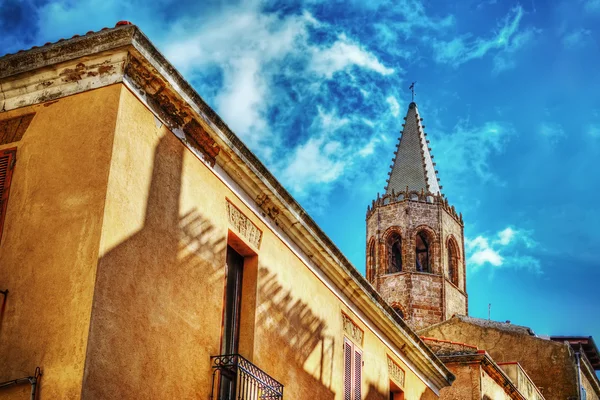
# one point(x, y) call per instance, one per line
point(489, 311)
point(412, 91)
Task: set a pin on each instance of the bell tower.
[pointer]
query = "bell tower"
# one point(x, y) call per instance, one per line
point(415, 241)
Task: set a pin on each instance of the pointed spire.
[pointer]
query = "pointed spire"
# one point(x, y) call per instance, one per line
point(413, 165)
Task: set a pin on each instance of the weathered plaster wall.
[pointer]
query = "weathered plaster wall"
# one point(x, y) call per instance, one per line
point(158, 304)
point(467, 385)
point(456, 301)
point(555, 376)
point(520, 379)
point(491, 390)
point(49, 248)
point(591, 393)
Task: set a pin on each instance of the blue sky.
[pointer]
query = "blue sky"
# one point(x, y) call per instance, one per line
point(508, 92)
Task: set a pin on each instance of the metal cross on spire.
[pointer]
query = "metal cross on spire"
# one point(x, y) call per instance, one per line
point(412, 91)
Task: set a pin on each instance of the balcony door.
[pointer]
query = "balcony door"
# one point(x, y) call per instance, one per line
point(233, 302)
point(231, 321)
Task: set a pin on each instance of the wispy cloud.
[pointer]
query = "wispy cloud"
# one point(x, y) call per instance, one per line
point(394, 106)
point(508, 248)
point(593, 131)
point(466, 151)
point(343, 54)
point(505, 42)
point(326, 157)
point(577, 38)
point(255, 54)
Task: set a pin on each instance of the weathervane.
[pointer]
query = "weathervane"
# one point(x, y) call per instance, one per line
point(412, 91)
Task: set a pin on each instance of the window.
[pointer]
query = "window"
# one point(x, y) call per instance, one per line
point(352, 371)
point(394, 248)
point(422, 252)
point(453, 261)
point(371, 264)
point(7, 164)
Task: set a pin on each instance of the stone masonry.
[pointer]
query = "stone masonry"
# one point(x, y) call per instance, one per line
point(424, 293)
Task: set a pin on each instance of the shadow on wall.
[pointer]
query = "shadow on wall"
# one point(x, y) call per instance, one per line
point(375, 394)
point(157, 309)
point(298, 348)
point(156, 315)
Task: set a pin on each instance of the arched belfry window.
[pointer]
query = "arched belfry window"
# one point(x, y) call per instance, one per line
point(453, 261)
point(371, 264)
point(422, 250)
point(394, 250)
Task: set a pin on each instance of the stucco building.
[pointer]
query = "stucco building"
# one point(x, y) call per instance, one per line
point(147, 253)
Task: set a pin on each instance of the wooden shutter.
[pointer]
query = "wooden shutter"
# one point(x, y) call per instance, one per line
point(7, 163)
point(357, 375)
point(347, 370)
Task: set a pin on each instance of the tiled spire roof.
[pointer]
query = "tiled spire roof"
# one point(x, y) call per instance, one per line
point(413, 164)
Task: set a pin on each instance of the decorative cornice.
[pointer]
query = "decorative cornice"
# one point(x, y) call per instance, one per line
point(242, 224)
point(171, 108)
point(352, 330)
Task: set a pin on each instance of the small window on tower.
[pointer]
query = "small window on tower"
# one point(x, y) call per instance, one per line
point(422, 252)
point(371, 264)
point(453, 261)
point(394, 247)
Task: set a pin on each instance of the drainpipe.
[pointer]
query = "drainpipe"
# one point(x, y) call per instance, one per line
point(578, 357)
point(32, 380)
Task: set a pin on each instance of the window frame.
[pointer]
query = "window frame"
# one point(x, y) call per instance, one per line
point(354, 390)
point(11, 155)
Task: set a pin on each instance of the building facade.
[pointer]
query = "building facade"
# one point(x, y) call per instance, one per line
point(147, 253)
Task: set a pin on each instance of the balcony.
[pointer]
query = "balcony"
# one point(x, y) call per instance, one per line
point(235, 378)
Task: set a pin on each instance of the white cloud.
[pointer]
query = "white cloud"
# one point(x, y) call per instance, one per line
point(505, 249)
point(251, 50)
point(320, 160)
point(480, 252)
point(334, 153)
point(343, 54)
point(505, 42)
point(394, 106)
point(505, 236)
point(467, 149)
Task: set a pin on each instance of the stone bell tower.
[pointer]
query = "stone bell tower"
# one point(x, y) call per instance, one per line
point(415, 241)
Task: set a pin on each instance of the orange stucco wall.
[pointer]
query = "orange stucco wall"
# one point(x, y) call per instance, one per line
point(157, 308)
point(114, 250)
point(49, 247)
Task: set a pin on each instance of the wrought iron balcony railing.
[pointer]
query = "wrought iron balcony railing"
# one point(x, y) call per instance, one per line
point(235, 378)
